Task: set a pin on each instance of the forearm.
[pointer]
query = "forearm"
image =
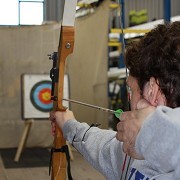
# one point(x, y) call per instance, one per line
point(158, 139)
point(99, 147)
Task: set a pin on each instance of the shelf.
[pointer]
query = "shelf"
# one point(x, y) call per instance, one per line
point(114, 6)
point(117, 73)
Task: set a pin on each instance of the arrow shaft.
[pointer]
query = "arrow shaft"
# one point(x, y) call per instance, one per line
point(90, 105)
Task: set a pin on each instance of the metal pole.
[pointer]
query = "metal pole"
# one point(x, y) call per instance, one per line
point(167, 10)
point(122, 14)
point(122, 24)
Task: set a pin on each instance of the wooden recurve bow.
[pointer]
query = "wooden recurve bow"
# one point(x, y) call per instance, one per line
point(59, 153)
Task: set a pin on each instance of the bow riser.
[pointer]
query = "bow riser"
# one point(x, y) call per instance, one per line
point(65, 48)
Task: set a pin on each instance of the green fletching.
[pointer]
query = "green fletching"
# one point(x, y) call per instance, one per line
point(118, 113)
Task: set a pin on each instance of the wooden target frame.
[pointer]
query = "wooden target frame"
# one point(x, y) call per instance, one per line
point(36, 94)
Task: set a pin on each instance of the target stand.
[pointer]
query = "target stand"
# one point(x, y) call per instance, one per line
point(36, 104)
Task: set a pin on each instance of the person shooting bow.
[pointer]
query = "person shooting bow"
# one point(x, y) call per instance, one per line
point(154, 79)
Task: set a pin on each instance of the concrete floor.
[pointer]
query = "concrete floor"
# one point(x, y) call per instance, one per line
point(33, 165)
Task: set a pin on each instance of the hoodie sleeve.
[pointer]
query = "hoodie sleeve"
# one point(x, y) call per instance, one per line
point(159, 139)
point(99, 147)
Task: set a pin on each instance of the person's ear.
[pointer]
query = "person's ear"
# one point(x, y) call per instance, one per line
point(151, 91)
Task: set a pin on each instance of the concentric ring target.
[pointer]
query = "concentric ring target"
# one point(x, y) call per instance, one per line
point(40, 96)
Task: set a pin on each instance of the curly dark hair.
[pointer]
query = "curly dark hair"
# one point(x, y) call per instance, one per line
point(157, 55)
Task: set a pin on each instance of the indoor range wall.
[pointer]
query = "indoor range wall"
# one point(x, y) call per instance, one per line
point(24, 50)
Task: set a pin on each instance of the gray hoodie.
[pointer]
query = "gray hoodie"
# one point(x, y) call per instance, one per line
point(104, 152)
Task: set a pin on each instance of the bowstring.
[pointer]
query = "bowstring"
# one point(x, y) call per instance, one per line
point(123, 54)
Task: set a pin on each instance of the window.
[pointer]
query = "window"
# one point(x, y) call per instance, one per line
point(21, 12)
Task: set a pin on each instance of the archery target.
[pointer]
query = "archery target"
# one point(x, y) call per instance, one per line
point(36, 93)
point(40, 96)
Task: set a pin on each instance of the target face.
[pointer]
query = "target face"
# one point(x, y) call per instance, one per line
point(40, 96)
point(36, 95)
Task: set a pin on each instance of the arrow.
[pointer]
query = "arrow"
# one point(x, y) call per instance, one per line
point(117, 112)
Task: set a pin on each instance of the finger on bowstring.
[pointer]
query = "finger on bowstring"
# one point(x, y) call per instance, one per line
point(127, 147)
point(124, 115)
point(120, 126)
point(121, 136)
